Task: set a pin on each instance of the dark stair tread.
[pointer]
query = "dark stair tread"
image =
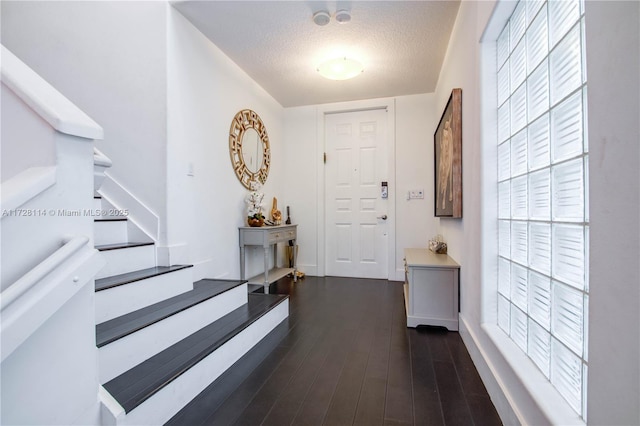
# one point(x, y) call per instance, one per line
point(135, 386)
point(110, 219)
point(262, 357)
point(129, 277)
point(105, 247)
point(117, 328)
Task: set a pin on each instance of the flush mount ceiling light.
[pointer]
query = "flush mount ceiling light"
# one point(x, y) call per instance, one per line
point(342, 68)
point(321, 17)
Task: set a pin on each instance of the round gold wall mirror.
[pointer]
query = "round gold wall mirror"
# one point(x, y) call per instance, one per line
point(249, 148)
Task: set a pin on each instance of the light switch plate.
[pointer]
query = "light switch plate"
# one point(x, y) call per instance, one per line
point(416, 194)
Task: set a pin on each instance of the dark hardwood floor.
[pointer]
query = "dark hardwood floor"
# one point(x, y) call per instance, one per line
point(345, 357)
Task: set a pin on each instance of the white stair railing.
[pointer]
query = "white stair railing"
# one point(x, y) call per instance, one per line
point(32, 277)
point(31, 300)
point(47, 146)
point(46, 281)
point(45, 100)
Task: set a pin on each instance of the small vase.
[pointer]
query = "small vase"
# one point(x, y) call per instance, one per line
point(252, 221)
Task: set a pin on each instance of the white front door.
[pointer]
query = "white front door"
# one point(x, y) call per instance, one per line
point(356, 213)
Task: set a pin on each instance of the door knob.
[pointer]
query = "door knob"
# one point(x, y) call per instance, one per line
point(383, 217)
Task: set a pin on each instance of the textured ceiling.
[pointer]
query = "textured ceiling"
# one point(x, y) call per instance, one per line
point(401, 44)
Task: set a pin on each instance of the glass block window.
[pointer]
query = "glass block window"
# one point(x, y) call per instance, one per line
point(543, 218)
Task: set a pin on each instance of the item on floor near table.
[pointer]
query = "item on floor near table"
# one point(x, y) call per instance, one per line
point(436, 245)
point(291, 252)
point(298, 274)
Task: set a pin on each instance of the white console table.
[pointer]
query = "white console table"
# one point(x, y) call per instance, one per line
point(265, 237)
point(431, 289)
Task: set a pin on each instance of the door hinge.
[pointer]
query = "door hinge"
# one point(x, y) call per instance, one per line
point(325, 158)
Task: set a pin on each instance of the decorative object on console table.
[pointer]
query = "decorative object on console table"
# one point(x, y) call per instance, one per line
point(254, 200)
point(276, 215)
point(255, 221)
point(447, 141)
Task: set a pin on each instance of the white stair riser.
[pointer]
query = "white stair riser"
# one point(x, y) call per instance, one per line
point(120, 300)
point(102, 208)
point(169, 400)
point(122, 261)
point(110, 232)
point(124, 354)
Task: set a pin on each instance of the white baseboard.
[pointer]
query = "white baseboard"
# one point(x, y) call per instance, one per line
point(175, 254)
point(398, 276)
point(224, 276)
point(204, 269)
point(311, 270)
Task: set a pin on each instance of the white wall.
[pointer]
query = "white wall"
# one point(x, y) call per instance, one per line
point(34, 135)
point(205, 91)
point(460, 69)
point(613, 64)
point(414, 122)
point(109, 58)
point(301, 189)
point(613, 393)
point(416, 119)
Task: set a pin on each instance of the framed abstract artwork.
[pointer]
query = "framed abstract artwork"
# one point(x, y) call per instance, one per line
point(447, 143)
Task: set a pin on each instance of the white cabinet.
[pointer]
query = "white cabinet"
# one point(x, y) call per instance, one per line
point(431, 289)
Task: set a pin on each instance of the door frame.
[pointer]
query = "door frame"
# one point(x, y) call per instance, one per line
point(342, 107)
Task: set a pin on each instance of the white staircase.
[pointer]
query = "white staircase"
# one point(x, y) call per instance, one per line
point(155, 338)
point(162, 339)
